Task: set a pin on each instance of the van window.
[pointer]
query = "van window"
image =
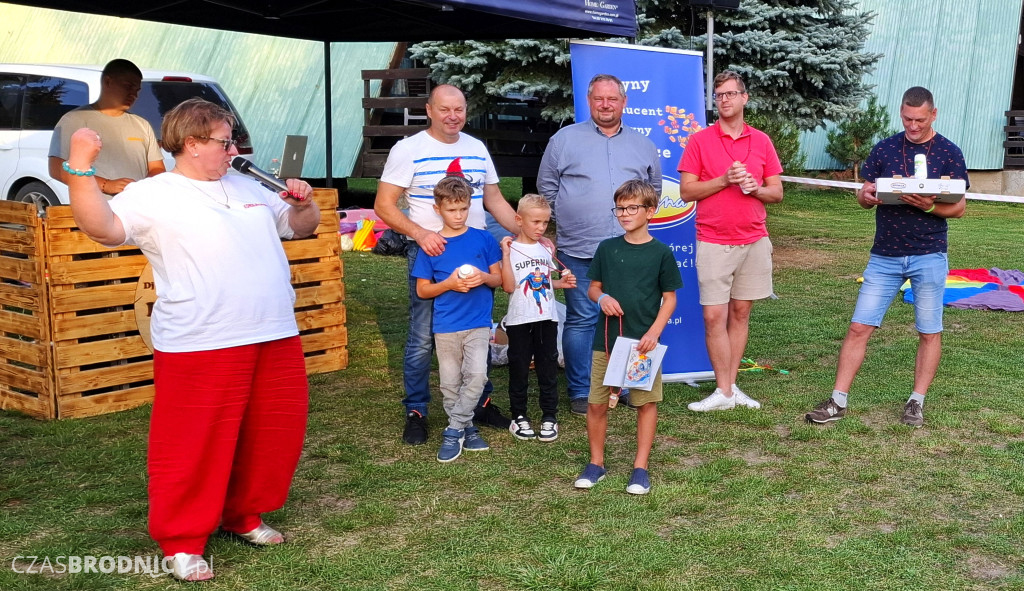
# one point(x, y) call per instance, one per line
point(48, 98)
point(10, 101)
point(156, 98)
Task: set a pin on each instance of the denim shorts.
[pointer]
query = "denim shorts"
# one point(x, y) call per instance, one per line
point(883, 278)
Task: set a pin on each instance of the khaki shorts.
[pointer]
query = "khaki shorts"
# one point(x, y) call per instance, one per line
point(734, 271)
point(599, 392)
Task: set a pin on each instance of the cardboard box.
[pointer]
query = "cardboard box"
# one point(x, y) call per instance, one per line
point(945, 189)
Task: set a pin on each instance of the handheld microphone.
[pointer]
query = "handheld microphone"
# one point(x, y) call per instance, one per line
point(265, 178)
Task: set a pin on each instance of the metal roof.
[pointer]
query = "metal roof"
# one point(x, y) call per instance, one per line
point(964, 51)
point(276, 84)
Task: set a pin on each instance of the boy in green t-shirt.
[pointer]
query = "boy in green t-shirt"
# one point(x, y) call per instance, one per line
point(634, 279)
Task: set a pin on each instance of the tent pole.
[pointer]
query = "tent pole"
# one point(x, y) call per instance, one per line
point(710, 66)
point(327, 115)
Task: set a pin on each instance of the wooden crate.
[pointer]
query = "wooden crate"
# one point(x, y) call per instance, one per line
point(74, 314)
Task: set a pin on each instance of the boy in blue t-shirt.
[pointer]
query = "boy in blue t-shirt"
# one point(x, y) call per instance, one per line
point(463, 298)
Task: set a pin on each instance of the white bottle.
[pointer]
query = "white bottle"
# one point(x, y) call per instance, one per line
point(465, 271)
point(745, 174)
point(920, 166)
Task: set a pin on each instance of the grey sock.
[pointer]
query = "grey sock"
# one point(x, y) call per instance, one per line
point(839, 398)
point(918, 397)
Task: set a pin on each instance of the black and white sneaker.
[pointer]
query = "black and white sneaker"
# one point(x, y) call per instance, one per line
point(548, 431)
point(521, 428)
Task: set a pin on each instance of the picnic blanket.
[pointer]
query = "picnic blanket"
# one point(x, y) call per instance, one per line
point(981, 289)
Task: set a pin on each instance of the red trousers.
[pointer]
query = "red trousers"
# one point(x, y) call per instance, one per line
point(224, 439)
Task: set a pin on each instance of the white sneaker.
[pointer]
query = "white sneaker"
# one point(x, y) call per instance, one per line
point(716, 401)
point(742, 399)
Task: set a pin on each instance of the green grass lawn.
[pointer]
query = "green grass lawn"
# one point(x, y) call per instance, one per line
point(740, 500)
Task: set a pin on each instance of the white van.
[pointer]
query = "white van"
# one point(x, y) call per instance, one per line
point(33, 97)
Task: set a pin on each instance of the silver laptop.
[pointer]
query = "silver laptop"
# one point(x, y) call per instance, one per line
point(291, 160)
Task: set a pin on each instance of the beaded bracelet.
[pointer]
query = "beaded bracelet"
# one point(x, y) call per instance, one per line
point(69, 170)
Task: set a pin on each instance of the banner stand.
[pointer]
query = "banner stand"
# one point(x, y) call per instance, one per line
point(665, 102)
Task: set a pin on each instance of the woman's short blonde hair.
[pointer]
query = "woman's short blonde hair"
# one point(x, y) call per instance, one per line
point(192, 118)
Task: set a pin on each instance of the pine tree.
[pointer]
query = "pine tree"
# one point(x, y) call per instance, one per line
point(803, 60)
point(532, 67)
point(851, 141)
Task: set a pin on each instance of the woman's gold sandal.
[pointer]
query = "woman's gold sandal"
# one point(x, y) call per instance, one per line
point(190, 567)
point(263, 535)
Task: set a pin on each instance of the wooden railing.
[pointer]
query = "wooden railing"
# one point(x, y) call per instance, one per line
point(514, 133)
point(1013, 145)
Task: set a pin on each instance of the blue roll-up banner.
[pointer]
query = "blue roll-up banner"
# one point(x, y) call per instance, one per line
point(665, 102)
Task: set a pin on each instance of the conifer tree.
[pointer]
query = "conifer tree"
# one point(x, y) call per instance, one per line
point(803, 60)
point(851, 141)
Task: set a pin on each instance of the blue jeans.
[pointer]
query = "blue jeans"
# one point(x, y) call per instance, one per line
point(419, 347)
point(883, 278)
point(578, 331)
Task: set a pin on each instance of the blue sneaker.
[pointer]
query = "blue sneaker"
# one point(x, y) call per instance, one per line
point(473, 441)
point(451, 445)
point(590, 476)
point(639, 482)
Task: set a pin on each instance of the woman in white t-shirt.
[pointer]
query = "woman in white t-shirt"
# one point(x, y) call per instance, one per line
point(229, 414)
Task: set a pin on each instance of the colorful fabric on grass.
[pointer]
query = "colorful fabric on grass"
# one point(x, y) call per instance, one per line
point(981, 289)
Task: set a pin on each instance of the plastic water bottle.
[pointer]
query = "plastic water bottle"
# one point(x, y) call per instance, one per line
point(920, 166)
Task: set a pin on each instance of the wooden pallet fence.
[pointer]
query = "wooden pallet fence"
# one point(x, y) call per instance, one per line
point(26, 359)
point(74, 315)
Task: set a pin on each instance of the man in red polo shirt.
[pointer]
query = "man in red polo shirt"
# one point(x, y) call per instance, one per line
point(732, 171)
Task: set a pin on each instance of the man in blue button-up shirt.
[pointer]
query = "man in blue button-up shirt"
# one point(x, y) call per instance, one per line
point(582, 167)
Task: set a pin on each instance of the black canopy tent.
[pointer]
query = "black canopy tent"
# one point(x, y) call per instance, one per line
point(376, 20)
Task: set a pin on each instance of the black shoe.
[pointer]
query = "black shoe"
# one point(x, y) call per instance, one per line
point(578, 406)
point(415, 429)
point(625, 401)
point(490, 416)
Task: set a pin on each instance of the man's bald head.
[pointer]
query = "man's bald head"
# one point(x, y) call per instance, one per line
point(446, 109)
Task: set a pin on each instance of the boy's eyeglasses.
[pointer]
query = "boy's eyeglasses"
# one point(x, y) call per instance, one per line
point(226, 143)
point(629, 209)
